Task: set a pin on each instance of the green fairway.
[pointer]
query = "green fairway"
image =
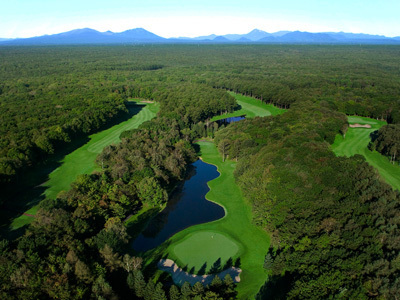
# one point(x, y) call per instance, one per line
point(82, 160)
point(356, 142)
point(214, 246)
point(251, 107)
point(237, 236)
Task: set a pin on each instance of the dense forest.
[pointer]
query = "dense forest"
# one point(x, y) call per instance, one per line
point(333, 222)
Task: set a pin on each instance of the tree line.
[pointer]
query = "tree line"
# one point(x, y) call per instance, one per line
point(387, 141)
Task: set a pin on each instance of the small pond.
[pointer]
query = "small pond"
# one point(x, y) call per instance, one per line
point(227, 121)
point(186, 207)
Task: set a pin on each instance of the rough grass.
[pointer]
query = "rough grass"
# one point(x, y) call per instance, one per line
point(356, 142)
point(82, 160)
point(236, 226)
point(251, 107)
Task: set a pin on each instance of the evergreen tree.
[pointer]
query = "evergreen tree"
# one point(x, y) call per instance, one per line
point(174, 293)
point(198, 288)
point(149, 291)
point(130, 280)
point(229, 287)
point(186, 291)
point(216, 284)
point(139, 283)
point(159, 293)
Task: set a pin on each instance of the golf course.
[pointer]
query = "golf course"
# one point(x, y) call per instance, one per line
point(232, 240)
point(82, 160)
point(356, 142)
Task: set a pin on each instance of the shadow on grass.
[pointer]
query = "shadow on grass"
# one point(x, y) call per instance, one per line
point(28, 191)
point(228, 264)
point(202, 270)
point(216, 267)
point(152, 257)
point(196, 148)
point(238, 263)
point(134, 228)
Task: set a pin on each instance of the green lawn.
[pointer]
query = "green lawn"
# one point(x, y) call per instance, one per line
point(82, 160)
point(251, 108)
point(235, 231)
point(356, 142)
point(214, 246)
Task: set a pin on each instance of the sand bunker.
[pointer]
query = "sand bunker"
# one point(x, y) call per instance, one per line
point(360, 126)
point(179, 276)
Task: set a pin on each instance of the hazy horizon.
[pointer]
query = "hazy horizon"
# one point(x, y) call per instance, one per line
point(177, 18)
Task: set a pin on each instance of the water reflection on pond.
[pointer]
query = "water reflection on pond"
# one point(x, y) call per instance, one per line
point(186, 207)
point(227, 121)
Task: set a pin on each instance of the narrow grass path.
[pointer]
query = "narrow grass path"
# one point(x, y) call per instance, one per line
point(82, 160)
point(251, 107)
point(240, 236)
point(356, 142)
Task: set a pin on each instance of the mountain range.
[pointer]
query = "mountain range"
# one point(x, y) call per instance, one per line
point(256, 36)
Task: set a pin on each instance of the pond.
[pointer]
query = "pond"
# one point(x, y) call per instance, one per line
point(227, 121)
point(186, 207)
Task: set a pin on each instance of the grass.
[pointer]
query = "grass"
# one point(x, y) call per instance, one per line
point(214, 246)
point(251, 107)
point(356, 142)
point(82, 160)
point(235, 231)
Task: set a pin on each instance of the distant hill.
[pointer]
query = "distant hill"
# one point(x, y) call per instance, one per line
point(220, 39)
point(306, 37)
point(90, 36)
point(142, 36)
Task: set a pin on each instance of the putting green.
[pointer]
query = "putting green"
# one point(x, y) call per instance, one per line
point(205, 247)
point(356, 142)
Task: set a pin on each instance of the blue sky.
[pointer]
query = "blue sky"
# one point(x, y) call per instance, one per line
point(26, 18)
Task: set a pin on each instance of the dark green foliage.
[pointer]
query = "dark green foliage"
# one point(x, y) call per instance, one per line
point(331, 219)
point(198, 289)
point(174, 293)
point(186, 291)
point(149, 291)
point(387, 141)
point(159, 293)
point(139, 283)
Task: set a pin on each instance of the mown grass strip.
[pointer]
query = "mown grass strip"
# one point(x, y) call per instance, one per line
point(251, 107)
point(356, 142)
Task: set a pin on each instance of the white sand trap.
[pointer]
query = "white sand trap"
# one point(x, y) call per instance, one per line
point(360, 126)
point(179, 276)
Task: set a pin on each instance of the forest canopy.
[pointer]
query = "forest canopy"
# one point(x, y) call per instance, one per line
point(333, 222)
